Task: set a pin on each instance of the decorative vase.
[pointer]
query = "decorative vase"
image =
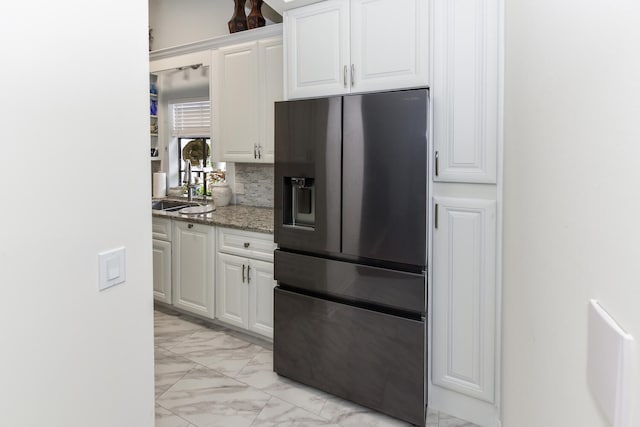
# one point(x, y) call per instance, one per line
point(221, 194)
point(255, 18)
point(238, 21)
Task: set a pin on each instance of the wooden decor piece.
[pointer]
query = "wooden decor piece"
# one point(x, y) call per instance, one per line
point(238, 21)
point(255, 18)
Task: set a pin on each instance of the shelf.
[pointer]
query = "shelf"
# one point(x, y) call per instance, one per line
point(153, 95)
point(154, 134)
point(153, 116)
point(155, 159)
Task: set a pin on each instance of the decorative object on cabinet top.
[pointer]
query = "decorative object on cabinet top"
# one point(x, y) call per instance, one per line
point(255, 18)
point(238, 21)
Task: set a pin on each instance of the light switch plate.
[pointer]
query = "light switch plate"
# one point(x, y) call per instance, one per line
point(111, 268)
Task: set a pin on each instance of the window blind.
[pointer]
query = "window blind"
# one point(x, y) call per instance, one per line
point(191, 119)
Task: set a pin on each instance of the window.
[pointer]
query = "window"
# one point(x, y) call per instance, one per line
point(191, 119)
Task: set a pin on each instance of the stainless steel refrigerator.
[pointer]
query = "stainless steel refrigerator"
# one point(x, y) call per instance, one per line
point(351, 229)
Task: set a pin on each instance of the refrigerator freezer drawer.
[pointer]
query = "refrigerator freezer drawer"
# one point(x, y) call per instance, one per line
point(374, 359)
point(388, 288)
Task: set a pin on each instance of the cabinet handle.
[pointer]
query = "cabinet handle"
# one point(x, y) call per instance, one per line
point(255, 150)
point(242, 273)
point(435, 216)
point(437, 158)
point(353, 75)
point(246, 244)
point(189, 225)
point(248, 274)
point(344, 78)
point(259, 151)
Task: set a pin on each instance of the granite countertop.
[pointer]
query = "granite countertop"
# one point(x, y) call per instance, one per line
point(241, 217)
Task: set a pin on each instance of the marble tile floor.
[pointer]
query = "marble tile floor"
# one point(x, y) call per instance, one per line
point(211, 376)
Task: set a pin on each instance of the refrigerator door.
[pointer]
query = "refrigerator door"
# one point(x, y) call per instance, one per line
point(384, 211)
point(307, 174)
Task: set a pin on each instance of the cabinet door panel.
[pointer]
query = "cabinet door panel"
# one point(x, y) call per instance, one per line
point(389, 44)
point(271, 90)
point(261, 298)
point(162, 271)
point(464, 309)
point(231, 290)
point(465, 90)
point(317, 49)
point(193, 267)
point(237, 106)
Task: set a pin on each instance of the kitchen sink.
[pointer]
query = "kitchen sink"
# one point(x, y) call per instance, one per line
point(170, 205)
point(197, 210)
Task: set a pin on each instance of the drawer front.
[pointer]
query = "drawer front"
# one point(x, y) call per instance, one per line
point(246, 244)
point(374, 359)
point(161, 228)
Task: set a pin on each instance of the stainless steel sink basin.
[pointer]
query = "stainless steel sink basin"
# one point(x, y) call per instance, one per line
point(197, 210)
point(169, 205)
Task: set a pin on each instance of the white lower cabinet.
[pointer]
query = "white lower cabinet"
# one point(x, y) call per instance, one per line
point(193, 261)
point(162, 270)
point(464, 308)
point(161, 232)
point(244, 286)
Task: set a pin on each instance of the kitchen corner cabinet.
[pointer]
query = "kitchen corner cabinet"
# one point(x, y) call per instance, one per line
point(349, 46)
point(465, 90)
point(244, 281)
point(161, 231)
point(193, 262)
point(248, 80)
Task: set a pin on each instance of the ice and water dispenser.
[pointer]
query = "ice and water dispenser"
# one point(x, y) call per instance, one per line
point(299, 202)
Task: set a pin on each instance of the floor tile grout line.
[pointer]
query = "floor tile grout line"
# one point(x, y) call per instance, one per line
point(167, 409)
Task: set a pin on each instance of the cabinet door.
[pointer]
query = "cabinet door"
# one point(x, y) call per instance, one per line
point(464, 293)
point(261, 284)
point(193, 246)
point(465, 90)
point(271, 90)
point(232, 290)
point(389, 44)
point(236, 103)
point(317, 49)
point(162, 271)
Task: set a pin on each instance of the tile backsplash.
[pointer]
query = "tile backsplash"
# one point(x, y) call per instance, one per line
point(258, 184)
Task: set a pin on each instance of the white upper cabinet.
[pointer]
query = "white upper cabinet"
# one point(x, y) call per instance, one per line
point(247, 81)
point(389, 44)
point(317, 49)
point(347, 46)
point(465, 90)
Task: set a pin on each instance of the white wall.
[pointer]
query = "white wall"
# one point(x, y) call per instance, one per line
point(75, 173)
point(571, 199)
point(179, 22)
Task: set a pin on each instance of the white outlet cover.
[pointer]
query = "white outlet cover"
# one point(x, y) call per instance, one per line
point(111, 268)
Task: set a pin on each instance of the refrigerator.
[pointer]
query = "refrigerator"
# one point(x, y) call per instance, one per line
point(351, 230)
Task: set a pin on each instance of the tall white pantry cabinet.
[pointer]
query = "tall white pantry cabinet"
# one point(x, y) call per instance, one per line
point(466, 130)
point(452, 46)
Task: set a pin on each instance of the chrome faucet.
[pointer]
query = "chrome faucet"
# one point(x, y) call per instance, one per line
point(188, 179)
